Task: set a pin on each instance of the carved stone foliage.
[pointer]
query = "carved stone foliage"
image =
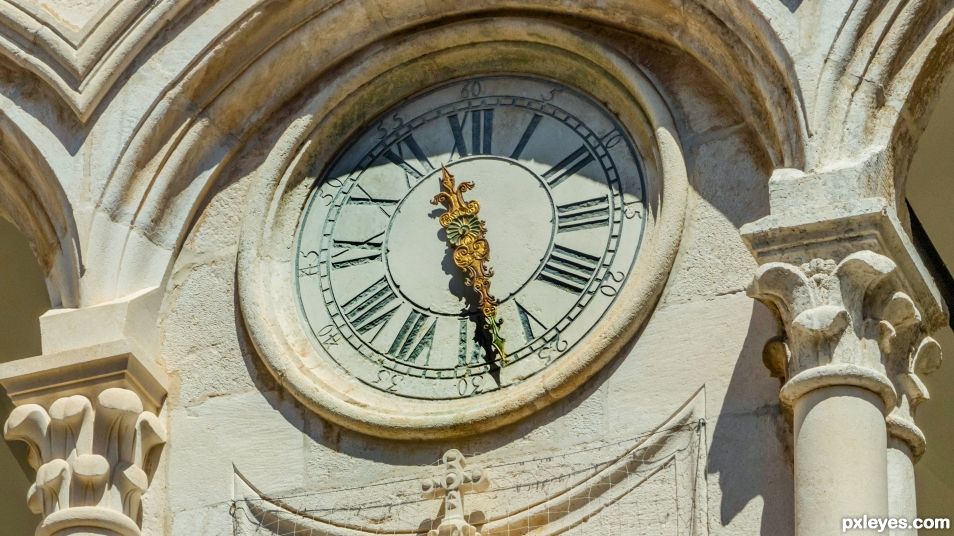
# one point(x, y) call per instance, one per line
point(93, 460)
point(911, 354)
point(849, 323)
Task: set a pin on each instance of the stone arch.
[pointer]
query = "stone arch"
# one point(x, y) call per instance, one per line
point(249, 76)
point(920, 79)
point(32, 198)
point(876, 87)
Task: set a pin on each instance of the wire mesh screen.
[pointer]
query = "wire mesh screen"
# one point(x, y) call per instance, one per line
point(649, 484)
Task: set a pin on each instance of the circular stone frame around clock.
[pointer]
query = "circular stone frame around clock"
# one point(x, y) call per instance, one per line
point(374, 81)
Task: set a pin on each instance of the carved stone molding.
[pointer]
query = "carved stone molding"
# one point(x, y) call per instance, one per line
point(829, 335)
point(80, 48)
point(923, 357)
point(90, 419)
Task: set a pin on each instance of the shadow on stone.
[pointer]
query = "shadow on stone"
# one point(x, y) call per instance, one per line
point(750, 438)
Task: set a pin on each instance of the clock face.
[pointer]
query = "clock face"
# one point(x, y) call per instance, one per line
point(560, 187)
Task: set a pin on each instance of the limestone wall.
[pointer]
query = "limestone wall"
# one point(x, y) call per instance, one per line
point(701, 346)
point(136, 139)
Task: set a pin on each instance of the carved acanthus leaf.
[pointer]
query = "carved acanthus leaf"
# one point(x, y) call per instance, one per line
point(850, 323)
point(89, 456)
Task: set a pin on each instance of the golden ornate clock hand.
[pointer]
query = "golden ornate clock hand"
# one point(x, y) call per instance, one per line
point(467, 233)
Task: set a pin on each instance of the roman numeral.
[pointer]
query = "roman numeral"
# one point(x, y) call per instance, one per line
point(467, 354)
point(569, 269)
point(372, 307)
point(366, 199)
point(406, 346)
point(584, 214)
point(525, 138)
point(527, 321)
point(481, 132)
point(398, 158)
point(372, 245)
point(568, 166)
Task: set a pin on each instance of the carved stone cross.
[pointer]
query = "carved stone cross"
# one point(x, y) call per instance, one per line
point(456, 480)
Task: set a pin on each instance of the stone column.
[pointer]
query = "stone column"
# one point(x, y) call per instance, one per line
point(855, 305)
point(90, 417)
point(833, 385)
point(906, 442)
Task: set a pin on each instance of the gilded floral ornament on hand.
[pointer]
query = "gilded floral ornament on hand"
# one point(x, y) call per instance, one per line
point(468, 235)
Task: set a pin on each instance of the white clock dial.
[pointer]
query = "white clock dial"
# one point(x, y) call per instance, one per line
point(560, 186)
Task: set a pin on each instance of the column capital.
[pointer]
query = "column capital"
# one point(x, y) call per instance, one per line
point(856, 303)
point(90, 417)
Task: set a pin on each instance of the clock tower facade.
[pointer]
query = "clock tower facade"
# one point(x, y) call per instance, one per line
point(499, 268)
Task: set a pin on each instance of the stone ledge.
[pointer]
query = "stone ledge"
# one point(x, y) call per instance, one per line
point(835, 231)
point(84, 371)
